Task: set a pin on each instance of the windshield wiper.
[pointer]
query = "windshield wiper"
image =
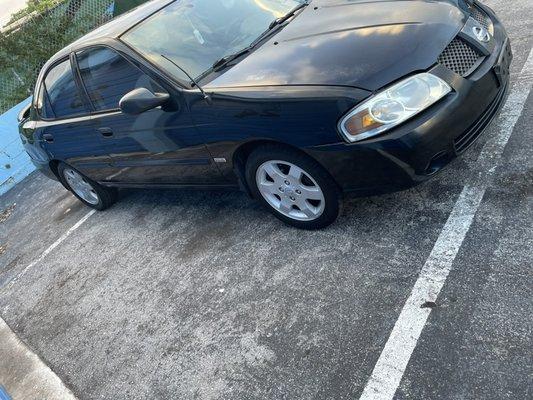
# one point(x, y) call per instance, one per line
point(278, 23)
point(281, 20)
point(222, 62)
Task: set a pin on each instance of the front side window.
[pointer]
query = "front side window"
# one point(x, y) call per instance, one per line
point(59, 96)
point(108, 76)
point(197, 33)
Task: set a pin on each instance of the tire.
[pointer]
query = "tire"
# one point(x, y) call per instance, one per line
point(89, 192)
point(300, 192)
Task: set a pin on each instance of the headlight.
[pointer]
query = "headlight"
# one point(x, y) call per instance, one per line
point(393, 106)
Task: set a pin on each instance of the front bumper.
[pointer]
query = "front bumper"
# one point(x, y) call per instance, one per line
point(413, 152)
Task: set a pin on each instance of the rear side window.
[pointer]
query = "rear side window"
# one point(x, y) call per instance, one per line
point(108, 76)
point(59, 96)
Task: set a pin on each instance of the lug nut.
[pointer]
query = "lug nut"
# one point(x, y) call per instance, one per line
point(298, 191)
point(292, 198)
point(281, 189)
point(287, 183)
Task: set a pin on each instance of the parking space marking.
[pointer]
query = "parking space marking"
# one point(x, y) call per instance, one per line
point(392, 362)
point(50, 248)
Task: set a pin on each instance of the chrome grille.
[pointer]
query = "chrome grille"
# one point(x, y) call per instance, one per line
point(460, 57)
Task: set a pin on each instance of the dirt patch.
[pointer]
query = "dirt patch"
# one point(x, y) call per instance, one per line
point(6, 213)
point(12, 264)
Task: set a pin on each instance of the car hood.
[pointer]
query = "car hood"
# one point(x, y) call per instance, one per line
point(359, 43)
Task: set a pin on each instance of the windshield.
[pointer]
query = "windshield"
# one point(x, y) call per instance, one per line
point(196, 33)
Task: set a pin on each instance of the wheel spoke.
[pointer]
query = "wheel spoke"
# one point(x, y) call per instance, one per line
point(268, 187)
point(311, 193)
point(76, 185)
point(285, 205)
point(295, 173)
point(306, 209)
point(274, 172)
point(86, 185)
point(93, 194)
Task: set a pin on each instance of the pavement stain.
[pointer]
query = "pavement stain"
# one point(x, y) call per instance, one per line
point(71, 206)
point(207, 236)
point(6, 213)
point(12, 264)
point(62, 282)
point(519, 182)
point(429, 304)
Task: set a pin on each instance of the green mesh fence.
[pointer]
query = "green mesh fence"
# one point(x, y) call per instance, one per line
point(29, 41)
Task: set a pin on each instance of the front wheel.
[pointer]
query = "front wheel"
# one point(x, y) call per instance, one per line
point(294, 187)
point(88, 191)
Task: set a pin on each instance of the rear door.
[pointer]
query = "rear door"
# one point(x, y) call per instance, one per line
point(65, 128)
point(159, 146)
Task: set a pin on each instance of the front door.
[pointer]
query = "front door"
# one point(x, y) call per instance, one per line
point(156, 147)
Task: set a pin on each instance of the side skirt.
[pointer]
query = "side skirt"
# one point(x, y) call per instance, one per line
point(228, 187)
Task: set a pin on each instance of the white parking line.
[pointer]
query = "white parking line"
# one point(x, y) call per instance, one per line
point(52, 247)
point(391, 365)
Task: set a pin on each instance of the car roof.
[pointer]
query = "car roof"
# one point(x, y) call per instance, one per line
point(114, 28)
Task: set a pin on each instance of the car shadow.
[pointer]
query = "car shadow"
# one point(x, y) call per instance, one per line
point(356, 212)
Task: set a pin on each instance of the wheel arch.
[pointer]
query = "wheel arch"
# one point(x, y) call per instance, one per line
point(241, 154)
point(53, 164)
point(54, 167)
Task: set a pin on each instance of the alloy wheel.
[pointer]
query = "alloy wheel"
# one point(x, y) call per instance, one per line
point(80, 186)
point(290, 190)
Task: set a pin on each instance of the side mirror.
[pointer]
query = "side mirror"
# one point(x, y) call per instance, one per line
point(140, 100)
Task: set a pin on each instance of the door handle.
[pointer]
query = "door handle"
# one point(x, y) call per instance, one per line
point(107, 132)
point(48, 138)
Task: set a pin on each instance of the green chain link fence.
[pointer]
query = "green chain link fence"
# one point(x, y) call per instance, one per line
point(38, 32)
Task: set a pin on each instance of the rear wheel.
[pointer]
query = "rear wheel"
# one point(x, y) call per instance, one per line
point(88, 191)
point(294, 187)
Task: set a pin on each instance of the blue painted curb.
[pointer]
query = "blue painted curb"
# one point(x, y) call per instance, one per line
point(15, 164)
point(3, 394)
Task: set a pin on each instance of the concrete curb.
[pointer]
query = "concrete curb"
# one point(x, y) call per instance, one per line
point(23, 374)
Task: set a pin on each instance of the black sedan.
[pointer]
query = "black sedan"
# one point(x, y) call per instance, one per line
point(295, 102)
